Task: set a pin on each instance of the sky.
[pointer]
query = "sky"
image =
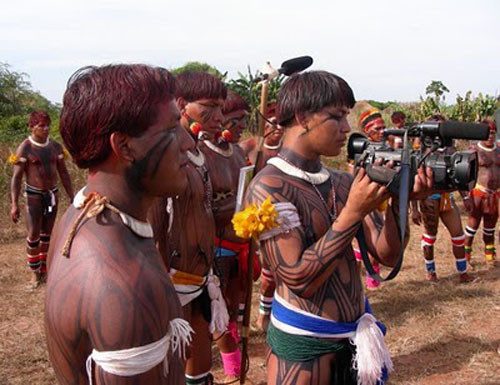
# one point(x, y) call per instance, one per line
point(385, 49)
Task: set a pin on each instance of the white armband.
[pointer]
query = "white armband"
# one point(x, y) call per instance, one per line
point(134, 361)
point(288, 219)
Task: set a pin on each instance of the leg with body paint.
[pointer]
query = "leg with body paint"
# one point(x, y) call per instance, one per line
point(473, 223)
point(199, 360)
point(451, 220)
point(430, 218)
point(48, 220)
point(326, 369)
point(489, 223)
point(34, 214)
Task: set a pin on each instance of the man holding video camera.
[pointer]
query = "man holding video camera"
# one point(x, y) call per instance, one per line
point(319, 302)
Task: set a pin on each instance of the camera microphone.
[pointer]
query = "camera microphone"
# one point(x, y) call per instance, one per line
point(297, 64)
point(455, 130)
point(288, 67)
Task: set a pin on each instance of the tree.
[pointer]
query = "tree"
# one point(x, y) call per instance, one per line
point(464, 109)
point(470, 109)
point(17, 101)
point(249, 90)
point(14, 90)
point(485, 106)
point(438, 89)
point(202, 67)
point(434, 102)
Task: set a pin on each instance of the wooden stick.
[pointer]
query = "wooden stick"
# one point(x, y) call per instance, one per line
point(253, 245)
point(262, 123)
point(246, 317)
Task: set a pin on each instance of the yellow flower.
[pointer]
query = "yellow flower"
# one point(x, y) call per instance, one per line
point(252, 221)
point(383, 206)
point(246, 222)
point(65, 153)
point(268, 214)
point(13, 159)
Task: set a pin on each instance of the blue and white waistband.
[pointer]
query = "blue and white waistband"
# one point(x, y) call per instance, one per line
point(290, 319)
point(372, 358)
point(221, 252)
point(437, 196)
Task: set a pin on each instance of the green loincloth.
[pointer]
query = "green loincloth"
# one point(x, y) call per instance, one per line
point(292, 347)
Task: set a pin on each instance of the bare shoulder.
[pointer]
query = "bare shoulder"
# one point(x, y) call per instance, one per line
point(56, 145)
point(124, 296)
point(269, 182)
point(23, 147)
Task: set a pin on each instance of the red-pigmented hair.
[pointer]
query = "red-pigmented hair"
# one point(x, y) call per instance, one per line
point(114, 98)
point(398, 117)
point(39, 116)
point(196, 85)
point(234, 102)
point(272, 109)
point(490, 123)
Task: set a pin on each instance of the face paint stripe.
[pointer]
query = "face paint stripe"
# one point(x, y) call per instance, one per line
point(139, 168)
point(166, 144)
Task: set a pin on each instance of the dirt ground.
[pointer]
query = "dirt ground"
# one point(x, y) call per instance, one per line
point(442, 333)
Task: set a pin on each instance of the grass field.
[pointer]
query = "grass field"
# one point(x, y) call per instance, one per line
point(442, 333)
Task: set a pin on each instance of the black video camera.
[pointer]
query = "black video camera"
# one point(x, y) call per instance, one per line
point(457, 171)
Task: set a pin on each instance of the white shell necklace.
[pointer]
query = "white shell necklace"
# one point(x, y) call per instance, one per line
point(35, 143)
point(197, 160)
point(225, 153)
point(140, 228)
point(269, 147)
point(314, 179)
point(290, 169)
point(487, 149)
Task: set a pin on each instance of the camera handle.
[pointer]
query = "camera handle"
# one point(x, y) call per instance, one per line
point(360, 236)
point(384, 176)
